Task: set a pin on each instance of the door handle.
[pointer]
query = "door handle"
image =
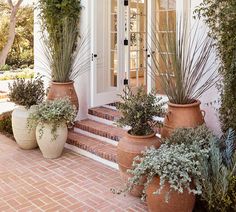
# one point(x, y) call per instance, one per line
point(93, 56)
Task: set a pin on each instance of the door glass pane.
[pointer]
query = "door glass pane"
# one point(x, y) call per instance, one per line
point(113, 45)
point(165, 28)
point(137, 42)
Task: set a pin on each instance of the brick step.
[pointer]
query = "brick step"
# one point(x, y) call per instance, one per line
point(105, 113)
point(3, 95)
point(94, 146)
point(100, 129)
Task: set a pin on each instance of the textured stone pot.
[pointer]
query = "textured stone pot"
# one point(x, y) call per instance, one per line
point(50, 147)
point(182, 116)
point(177, 202)
point(128, 148)
point(61, 90)
point(24, 138)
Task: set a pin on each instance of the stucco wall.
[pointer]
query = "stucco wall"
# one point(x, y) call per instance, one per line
point(210, 99)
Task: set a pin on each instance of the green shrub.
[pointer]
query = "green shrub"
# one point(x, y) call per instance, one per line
point(27, 92)
point(5, 68)
point(138, 110)
point(201, 135)
point(12, 75)
point(220, 16)
point(5, 124)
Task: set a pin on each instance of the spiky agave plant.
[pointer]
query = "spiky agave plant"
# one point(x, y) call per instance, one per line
point(189, 68)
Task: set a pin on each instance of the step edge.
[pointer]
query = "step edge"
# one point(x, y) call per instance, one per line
point(91, 156)
point(95, 136)
point(101, 120)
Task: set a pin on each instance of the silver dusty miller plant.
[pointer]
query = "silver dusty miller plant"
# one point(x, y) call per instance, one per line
point(176, 164)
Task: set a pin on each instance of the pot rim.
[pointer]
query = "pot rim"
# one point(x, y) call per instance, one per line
point(196, 103)
point(62, 83)
point(141, 136)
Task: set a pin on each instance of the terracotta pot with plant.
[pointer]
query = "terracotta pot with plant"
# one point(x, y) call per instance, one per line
point(173, 174)
point(26, 94)
point(51, 119)
point(65, 50)
point(137, 112)
point(186, 69)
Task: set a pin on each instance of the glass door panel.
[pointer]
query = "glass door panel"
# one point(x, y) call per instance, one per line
point(165, 30)
point(137, 50)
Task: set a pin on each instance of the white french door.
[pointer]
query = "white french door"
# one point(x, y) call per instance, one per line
point(121, 32)
point(105, 72)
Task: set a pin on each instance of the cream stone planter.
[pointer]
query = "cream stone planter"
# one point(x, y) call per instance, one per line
point(50, 147)
point(24, 138)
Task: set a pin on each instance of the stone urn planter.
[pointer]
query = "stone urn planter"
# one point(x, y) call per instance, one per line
point(182, 116)
point(51, 145)
point(128, 148)
point(51, 119)
point(24, 137)
point(178, 202)
point(61, 90)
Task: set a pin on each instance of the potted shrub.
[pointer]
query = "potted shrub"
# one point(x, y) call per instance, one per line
point(26, 94)
point(137, 112)
point(186, 69)
point(63, 46)
point(51, 119)
point(173, 174)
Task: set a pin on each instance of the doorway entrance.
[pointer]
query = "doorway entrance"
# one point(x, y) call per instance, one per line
point(120, 31)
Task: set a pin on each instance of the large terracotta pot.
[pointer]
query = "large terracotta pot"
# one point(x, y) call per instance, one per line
point(177, 202)
point(128, 148)
point(60, 90)
point(182, 116)
point(50, 147)
point(24, 138)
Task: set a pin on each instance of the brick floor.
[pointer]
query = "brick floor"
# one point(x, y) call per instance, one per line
point(28, 182)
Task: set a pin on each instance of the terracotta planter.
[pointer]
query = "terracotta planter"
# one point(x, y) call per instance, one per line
point(128, 148)
point(24, 138)
point(182, 116)
point(177, 202)
point(60, 90)
point(49, 147)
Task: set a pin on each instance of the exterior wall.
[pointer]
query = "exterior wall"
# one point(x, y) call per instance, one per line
point(210, 99)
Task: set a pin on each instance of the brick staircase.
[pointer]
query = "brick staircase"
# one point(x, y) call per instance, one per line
point(97, 136)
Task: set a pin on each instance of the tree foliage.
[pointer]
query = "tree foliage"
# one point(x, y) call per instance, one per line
point(22, 50)
point(220, 16)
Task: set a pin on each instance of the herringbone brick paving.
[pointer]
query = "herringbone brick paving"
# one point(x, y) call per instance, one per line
point(28, 182)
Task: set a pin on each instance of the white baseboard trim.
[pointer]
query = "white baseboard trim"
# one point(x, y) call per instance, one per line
point(98, 137)
point(101, 120)
point(92, 156)
point(110, 107)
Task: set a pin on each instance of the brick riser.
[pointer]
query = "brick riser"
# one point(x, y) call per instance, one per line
point(3, 96)
point(103, 130)
point(94, 146)
point(104, 113)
